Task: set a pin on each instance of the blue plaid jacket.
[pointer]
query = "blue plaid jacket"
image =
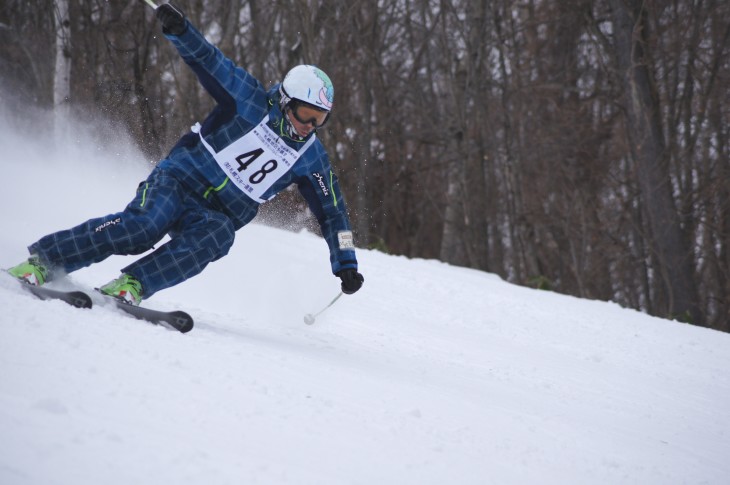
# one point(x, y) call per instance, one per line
point(242, 102)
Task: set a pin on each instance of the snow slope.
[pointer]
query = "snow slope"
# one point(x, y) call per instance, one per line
point(431, 374)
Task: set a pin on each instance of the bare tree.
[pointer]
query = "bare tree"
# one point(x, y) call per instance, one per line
point(644, 129)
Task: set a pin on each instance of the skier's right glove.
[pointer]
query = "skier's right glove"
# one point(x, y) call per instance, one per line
point(351, 280)
point(172, 19)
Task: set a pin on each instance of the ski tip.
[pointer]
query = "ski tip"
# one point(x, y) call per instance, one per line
point(182, 321)
point(79, 299)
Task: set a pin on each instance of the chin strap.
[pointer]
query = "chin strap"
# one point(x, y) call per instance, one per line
point(287, 128)
point(291, 132)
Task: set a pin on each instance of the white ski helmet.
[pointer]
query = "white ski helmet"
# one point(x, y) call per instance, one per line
point(308, 84)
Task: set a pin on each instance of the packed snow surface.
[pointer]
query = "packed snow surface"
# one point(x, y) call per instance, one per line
point(431, 374)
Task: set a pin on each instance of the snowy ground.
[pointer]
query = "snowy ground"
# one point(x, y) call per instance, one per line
point(430, 375)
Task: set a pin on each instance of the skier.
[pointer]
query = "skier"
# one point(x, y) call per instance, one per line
point(253, 145)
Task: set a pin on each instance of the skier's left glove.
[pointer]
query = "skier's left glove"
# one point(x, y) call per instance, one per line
point(172, 19)
point(351, 280)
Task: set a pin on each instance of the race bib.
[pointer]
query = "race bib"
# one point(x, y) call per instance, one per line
point(257, 160)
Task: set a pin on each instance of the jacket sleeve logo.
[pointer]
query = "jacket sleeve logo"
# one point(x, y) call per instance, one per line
point(322, 185)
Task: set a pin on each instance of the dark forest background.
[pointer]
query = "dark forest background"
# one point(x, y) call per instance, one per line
point(570, 145)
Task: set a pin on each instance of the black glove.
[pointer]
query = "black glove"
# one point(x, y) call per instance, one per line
point(351, 280)
point(172, 19)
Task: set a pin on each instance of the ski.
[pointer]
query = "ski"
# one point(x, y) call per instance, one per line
point(178, 320)
point(79, 299)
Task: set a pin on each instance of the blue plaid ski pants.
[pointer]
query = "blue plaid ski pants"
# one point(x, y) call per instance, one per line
point(162, 205)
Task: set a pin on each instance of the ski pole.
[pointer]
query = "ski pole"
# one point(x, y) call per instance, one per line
point(151, 4)
point(309, 318)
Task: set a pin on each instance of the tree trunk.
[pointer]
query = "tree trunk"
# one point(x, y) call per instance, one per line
point(62, 75)
point(643, 125)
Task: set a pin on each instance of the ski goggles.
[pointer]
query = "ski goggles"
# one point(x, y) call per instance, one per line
point(306, 114)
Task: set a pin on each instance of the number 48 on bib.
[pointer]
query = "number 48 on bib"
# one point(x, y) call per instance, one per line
point(257, 160)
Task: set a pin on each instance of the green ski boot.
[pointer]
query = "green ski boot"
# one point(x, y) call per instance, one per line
point(126, 288)
point(31, 271)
